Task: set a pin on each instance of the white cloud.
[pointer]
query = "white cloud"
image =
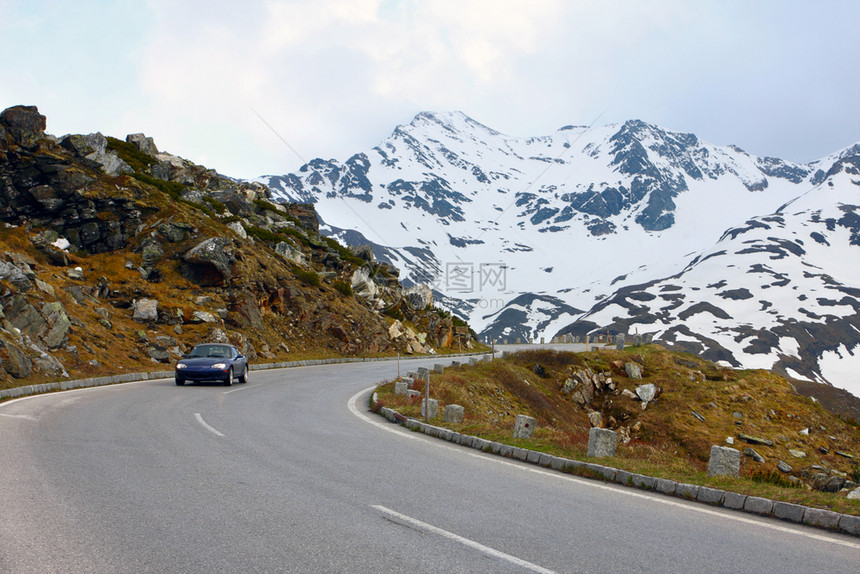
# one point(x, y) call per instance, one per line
point(334, 77)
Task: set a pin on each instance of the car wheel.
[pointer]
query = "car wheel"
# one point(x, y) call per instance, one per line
point(179, 381)
point(229, 380)
point(244, 378)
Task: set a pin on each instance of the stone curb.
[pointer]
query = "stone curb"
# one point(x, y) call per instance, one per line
point(28, 390)
point(844, 523)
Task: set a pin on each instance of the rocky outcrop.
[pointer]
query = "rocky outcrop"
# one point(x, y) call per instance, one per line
point(93, 148)
point(210, 262)
point(419, 296)
point(55, 189)
point(24, 125)
point(143, 143)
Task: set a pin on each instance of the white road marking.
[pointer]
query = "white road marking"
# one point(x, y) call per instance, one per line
point(384, 426)
point(206, 425)
point(619, 489)
point(25, 417)
point(464, 541)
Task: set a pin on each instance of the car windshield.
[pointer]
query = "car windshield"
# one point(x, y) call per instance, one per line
point(212, 351)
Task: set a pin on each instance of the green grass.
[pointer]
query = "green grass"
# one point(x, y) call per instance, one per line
point(129, 153)
point(308, 277)
point(343, 288)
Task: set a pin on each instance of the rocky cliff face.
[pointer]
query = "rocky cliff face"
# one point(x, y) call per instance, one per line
point(116, 256)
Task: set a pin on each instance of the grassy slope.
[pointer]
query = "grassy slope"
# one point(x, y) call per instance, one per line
point(666, 440)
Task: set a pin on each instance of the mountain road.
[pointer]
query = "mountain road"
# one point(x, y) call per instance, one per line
point(291, 473)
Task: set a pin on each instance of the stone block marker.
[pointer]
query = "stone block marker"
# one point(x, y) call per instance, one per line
point(437, 368)
point(619, 342)
point(413, 394)
point(423, 373)
point(524, 427)
point(434, 408)
point(454, 413)
point(401, 387)
point(724, 461)
point(602, 442)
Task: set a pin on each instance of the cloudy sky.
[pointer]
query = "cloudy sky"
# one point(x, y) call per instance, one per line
point(226, 84)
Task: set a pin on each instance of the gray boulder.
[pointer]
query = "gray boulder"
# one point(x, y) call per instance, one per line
point(633, 371)
point(753, 454)
point(158, 354)
point(724, 461)
point(646, 393)
point(15, 275)
point(210, 262)
point(602, 442)
point(24, 316)
point(238, 228)
point(16, 362)
point(454, 413)
point(363, 251)
point(203, 317)
point(429, 408)
point(145, 310)
point(94, 148)
point(596, 419)
point(151, 253)
point(524, 426)
point(25, 124)
point(419, 296)
point(363, 285)
point(143, 143)
point(174, 232)
point(58, 324)
point(824, 483)
point(50, 365)
point(290, 252)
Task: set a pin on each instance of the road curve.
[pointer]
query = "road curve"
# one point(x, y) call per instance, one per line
point(288, 474)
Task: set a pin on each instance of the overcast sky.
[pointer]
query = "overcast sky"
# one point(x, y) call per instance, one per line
point(334, 77)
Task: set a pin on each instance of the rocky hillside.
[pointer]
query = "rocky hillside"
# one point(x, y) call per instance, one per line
point(118, 257)
point(668, 409)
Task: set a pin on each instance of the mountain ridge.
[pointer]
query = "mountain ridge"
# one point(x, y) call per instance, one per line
point(572, 217)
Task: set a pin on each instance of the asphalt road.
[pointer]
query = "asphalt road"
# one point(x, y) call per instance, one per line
point(290, 474)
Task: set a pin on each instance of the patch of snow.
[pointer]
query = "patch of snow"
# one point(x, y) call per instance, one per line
point(842, 368)
point(62, 243)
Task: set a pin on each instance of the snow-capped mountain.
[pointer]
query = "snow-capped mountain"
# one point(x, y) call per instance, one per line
point(524, 236)
point(779, 292)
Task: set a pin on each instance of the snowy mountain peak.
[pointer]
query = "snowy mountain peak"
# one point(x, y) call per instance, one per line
point(454, 122)
point(519, 235)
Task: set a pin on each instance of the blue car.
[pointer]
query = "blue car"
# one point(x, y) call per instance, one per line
point(212, 362)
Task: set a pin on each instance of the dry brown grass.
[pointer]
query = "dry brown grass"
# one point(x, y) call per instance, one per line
point(666, 439)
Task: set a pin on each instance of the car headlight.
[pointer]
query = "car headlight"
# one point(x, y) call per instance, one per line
point(219, 366)
point(181, 365)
